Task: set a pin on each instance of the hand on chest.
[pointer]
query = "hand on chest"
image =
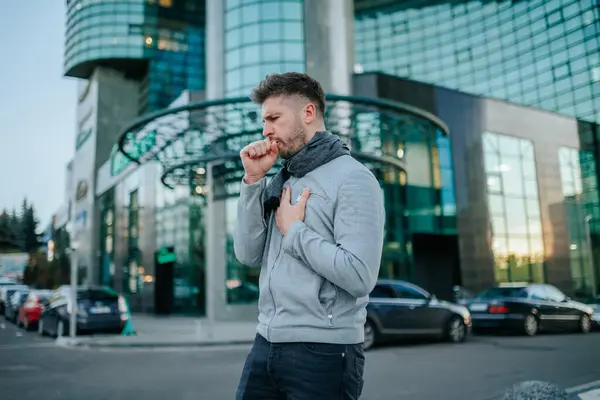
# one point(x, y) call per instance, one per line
point(300, 202)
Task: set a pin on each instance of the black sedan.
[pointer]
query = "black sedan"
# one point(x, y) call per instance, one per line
point(402, 309)
point(529, 308)
point(99, 309)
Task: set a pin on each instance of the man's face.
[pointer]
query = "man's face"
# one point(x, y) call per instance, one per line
point(283, 124)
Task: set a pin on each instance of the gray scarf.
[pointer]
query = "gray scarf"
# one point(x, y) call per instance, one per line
point(321, 149)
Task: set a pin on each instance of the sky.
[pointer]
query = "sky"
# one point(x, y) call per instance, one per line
point(37, 106)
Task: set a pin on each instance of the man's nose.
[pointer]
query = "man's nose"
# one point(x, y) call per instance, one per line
point(268, 130)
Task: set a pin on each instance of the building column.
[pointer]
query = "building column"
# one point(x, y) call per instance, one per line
point(215, 45)
point(329, 43)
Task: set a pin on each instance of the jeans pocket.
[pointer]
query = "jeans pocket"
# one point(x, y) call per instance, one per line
point(359, 368)
point(325, 349)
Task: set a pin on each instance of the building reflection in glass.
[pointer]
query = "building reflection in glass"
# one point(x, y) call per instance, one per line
point(514, 209)
point(576, 210)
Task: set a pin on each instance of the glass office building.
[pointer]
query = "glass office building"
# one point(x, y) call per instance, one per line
point(542, 53)
point(486, 197)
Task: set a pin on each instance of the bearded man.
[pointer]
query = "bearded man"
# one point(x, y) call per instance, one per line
point(316, 230)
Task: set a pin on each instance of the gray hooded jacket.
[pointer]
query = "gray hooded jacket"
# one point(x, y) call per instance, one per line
point(315, 281)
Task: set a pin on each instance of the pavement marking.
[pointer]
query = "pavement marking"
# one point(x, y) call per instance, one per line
point(3, 326)
point(165, 349)
point(25, 346)
point(591, 395)
point(584, 386)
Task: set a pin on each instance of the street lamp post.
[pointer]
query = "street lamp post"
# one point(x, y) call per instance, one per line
point(72, 252)
point(588, 235)
point(74, 271)
point(210, 248)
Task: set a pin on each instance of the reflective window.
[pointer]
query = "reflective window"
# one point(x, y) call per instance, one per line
point(410, 292)
point(514, 210)
point(172, 40)
point(261, 37)
point(553, 294)
point(578, 206)
point(383, 292)
point(523, 52)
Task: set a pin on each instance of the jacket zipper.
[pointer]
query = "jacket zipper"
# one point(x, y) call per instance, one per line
point(330, 310)
point(271, 291)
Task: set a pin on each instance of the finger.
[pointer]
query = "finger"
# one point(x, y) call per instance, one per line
point(304, 197)
point(286, 196)
point(261, 148)
point(273, 148)
point(252, 152)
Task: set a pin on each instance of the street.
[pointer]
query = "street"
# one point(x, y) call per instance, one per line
point(32, 367)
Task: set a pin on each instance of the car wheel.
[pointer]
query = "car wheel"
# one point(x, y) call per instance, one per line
point(456, 330)
point(369, 335)
point(530, 325)
point(585, 324)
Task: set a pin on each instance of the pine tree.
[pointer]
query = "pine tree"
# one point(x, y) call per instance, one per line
point(31, 240)
point(4, 226)
point(16, 229)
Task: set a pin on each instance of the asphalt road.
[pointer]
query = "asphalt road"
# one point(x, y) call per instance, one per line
point(32, 367)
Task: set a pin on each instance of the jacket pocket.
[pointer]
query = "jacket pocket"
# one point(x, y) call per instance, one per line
point(328, 294)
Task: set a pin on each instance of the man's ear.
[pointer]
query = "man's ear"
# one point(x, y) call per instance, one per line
point(310, 113)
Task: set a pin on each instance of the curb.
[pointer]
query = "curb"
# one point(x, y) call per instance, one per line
point(68, 342)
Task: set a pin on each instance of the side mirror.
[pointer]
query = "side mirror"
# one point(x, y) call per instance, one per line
point(566, 299)
point(432, 297)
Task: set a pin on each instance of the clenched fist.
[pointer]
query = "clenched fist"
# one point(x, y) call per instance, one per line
point(258, 158)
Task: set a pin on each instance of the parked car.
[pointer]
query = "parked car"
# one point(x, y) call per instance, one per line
point(528, 308)
point(29, 313)
point(595, 304)
point(401, 309)
point(6, 293)
point(99, 309)
point(14, 303)
point(5, 282)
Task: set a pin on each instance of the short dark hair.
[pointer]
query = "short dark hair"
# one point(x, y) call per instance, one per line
point(290, 84)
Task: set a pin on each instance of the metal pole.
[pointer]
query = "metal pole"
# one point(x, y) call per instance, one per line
point(588, 234)
point(73, 315)
point(210, 249)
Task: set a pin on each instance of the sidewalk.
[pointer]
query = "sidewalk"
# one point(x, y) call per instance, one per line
point(171, 331)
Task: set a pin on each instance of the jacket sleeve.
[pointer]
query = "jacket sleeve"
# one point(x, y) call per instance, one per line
point(250, 230)
point(353, 261)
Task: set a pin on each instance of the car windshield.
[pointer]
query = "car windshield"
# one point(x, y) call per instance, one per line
point(495, 292)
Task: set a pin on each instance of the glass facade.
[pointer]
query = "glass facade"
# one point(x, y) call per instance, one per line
point(514, 208)
point(102, 30)
point(419, 200)
point(577, 210)
point(167, 38)
point(542, 53)
point(261, 37)
point(179, 223)
point(174, 41)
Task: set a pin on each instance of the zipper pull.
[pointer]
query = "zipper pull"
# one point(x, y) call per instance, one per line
point(330, 317)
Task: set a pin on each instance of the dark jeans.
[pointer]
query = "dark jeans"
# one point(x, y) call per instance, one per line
point(302, 371)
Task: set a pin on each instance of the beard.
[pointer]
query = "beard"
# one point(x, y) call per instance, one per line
point(295, 143)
